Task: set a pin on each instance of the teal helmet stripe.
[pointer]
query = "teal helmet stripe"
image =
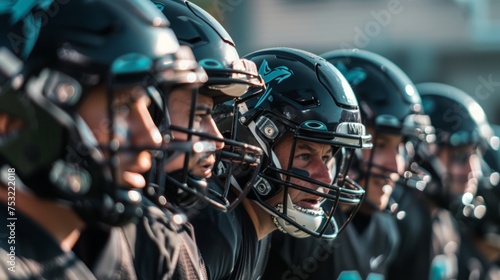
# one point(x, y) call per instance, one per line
point(313, 124)
point(131, 63)
point(210, 63)
point(160, 6)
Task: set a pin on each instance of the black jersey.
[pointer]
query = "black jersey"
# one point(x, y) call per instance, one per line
point(29, 252)
point(106, 252)
point(445, 246)
point(430, 242)
point(228, 244)
point(415, 228)
point(163, 249)
point(354, 254)
point(473, 265)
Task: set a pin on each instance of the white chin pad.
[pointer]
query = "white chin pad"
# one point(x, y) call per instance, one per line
point(309, 221)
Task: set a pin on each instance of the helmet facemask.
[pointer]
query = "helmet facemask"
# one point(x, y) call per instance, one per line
point(457, 189)
point(197, 157)
point(229, 77)
point(462, 135)
point(85, 164)
point(314, 214)
point(308, 113)
point(186, 186)
point(391, 106)
point(416, 133)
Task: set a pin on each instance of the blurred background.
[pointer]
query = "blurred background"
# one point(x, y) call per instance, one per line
point(450, 41)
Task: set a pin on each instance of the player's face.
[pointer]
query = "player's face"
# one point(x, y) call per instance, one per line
point(312, 158)
point(462, 164)
point(133, 127)
point(180, 109)
point(9, 124)
point(387, 163)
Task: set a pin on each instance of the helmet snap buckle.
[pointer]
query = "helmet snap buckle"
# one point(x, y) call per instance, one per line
point(267, 127)
point(262, 186)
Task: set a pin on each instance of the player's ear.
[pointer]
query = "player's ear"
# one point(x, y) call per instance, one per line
point(9, 123)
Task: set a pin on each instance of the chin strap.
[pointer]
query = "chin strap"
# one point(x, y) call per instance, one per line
point(309, 219)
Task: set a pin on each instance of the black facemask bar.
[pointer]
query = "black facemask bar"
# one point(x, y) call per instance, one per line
point(234, 82)
point(10, 70)
point(460, 202)
point(189, 192)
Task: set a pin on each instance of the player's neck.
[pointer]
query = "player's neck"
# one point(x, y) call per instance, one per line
point(489, 251)
point(261, 220)
point(60, 221)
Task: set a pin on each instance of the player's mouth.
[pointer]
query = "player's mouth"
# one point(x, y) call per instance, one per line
point(206, 164)
point(206, 170)
point(311, 206)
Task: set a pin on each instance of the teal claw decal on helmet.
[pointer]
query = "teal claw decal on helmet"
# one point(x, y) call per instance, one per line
point(354, 76)
point(278, 74)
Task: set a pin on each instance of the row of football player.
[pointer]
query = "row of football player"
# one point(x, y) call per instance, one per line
point(113, 134)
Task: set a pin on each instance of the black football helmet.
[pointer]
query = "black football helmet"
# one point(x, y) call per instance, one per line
point(20, 23)
point(306, 99)
point(389, 104)
point(127, 43)
point(459, 121)
point(229, 77)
